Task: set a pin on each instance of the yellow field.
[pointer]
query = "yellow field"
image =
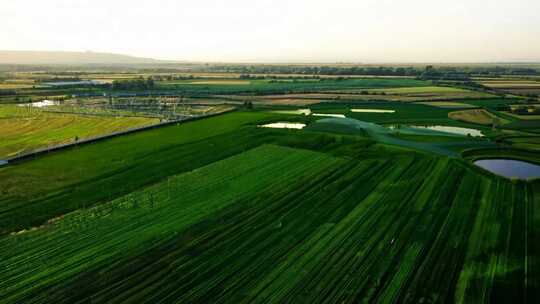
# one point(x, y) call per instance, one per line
point(476, 116)
point(26, 129)
point(427, 93)
point(11, 86)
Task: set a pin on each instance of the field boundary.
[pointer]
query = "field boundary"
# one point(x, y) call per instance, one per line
point(42, 151)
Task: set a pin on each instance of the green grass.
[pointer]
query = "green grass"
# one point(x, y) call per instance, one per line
point(94, 173)
point(277, 224)
point(28, 129)
point(30, 194)
point(425, 89)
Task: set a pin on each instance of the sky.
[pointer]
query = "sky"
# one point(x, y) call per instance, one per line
point(362, 31)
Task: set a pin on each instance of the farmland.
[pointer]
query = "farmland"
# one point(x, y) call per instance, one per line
point(26, 129)
point(332, 213)
point(481, 117)
point(375, 197)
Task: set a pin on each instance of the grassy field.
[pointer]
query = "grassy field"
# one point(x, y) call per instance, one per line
point(476, 116)
point(491, 103)
point(436, 92)
point(276, 224)
point(421, 90)
point(447, 104)
point(30, 194)
point(26, 129)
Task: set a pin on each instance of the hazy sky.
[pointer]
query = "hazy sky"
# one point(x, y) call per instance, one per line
point(279, 30)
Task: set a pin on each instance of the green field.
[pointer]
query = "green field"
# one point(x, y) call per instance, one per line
point(26, 129)
point(30, 194)
point(275, 224)
point(419, 90)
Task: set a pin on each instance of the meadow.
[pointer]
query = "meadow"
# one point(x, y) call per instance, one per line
point(26, 129)
point(373, 228)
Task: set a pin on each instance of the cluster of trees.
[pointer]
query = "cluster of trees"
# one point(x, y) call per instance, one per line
point(318, 70)
point(432, 73)
point(172, 77)
point(59, 79)
point(441, 72)
point(134, 84)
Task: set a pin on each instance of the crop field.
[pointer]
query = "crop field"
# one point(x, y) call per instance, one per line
point(116, 166)
point(26, 129)
point(432, 91)
point(490, 103)
point(447, 104)
point(288, 238)
point(8, 86)
point(312, 98)
point(523, 87)
point(421, 90)
point(476, 116)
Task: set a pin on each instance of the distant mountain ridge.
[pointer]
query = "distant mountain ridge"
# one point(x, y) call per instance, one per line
point(54, 57)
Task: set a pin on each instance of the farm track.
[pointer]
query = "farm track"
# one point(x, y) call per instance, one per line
point(278, 224)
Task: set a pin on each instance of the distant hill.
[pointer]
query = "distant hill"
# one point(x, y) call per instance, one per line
point(46, 57)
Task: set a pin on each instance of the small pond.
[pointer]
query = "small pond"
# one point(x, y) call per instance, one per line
point(453, 130)
point(510, 168)
point(284, 125)
point(329, 115)
point(372, 111)
point(41, 104)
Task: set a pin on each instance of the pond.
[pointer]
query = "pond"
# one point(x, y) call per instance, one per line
point(510, 168)
point(284, 125)
point(453, 130)
point(372, 111)
point(294, 112)
point(329, 115)
point(41, 104)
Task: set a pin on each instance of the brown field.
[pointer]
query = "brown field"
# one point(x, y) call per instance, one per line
point(11, 86)
point(476, 116)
